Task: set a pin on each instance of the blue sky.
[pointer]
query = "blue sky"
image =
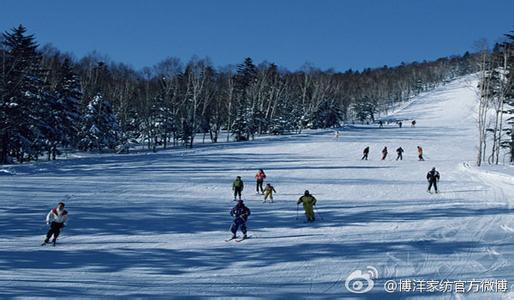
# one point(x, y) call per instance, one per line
point(327, 33)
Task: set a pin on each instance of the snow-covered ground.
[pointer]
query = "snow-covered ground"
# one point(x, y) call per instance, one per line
point(144, 225)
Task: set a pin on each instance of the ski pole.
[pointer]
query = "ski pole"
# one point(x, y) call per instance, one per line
point(317, 212)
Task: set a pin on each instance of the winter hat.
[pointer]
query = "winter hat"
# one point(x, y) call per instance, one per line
point(306, 193)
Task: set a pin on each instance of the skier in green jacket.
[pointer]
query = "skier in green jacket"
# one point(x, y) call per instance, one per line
point(237, 187)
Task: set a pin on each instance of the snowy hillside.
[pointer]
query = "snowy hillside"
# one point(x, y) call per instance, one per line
point(145, 225)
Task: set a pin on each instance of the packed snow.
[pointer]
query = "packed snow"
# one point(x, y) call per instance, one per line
point(155, 224)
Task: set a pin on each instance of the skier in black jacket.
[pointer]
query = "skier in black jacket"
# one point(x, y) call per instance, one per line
point(432, 177)
point(399, 151)
point(365, 153)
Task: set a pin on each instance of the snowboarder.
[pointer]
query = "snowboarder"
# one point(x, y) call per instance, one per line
point(399, 151)
point(268, 192)
point(237, 187)
point(56, 219)
point(365, 153)
point(413, 123)
point(432, 177)
point(420, 153)
point(240, 214)
point(259, 177)
point(384, 153)
point(308, 201)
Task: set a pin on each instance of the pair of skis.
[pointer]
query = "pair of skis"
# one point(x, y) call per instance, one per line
point(45, 243)
point(238, 240)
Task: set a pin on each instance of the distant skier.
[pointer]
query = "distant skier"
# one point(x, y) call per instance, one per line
point(384, 153)
point(420, 153)
point(432, 177)
point(365, 153)
point(240, 214)
point(56, 219)
point(399, 151)
point(237, 187)
point(380, 124)
point(413, 123)
point(400, 124)
point(337, 134)
point(308, 201)
point(259, 177)
point(268, 192)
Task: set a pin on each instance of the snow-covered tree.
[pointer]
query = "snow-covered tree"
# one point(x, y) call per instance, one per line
point(365, 109)
point(240, 128)
point(160, 123)
point(328, 114)
point(244, 124)
point(69, 94)
point(100, 128)
point(25, 101)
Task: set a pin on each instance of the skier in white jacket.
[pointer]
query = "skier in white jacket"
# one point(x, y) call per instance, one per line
point(56, 219)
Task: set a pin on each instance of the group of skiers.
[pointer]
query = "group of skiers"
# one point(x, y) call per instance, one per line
point(399, 123)
point(399, 152)
point(57, 217)
point(267, 191)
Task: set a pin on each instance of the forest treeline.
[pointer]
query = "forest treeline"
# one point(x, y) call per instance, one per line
point(51, 102)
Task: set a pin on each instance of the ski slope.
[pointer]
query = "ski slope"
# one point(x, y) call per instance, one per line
point(154, 225)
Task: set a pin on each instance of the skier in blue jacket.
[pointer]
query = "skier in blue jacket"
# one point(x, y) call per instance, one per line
point(240, 213)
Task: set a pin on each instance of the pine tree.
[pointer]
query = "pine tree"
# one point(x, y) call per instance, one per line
point(100, 127)
point(25, 100)
point(244, 124)
point(161, 123)
point(69, 94)
point(327, 115)
point(240, 128)
point(365, 109)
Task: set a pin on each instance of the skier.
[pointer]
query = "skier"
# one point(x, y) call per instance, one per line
point(413, 123)
point(365, 153)
point(259, 177)
point(237, 187)
point(380, 124)
point(420, 153)
point(268, 192)
point(308, 201)
point(56, 219)
point(399, 151)
point(400, 124)
point(384, 153)
point(433, 178)
point(240, 214)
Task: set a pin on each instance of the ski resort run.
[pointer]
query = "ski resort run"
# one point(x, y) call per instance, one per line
point(156, 224)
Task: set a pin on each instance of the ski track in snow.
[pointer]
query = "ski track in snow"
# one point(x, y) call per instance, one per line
point(144, 225)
